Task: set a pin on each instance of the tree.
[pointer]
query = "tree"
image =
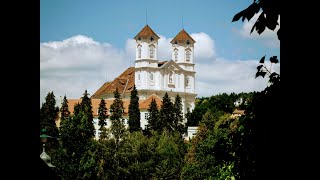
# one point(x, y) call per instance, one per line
point(154, 122)
point(76, 143)
point(49, 113)
point(268, 17)
point(102, 111)
point(86, 107)
point(117, 109)
point(118, 135)
point(253, 137)
point(170, 153)
point(178, 116)
point(270, 13)
point(134, 111)
point(166, 113)
point(64, 110)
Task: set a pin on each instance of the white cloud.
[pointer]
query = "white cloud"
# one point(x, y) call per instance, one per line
point(268, 37)
point(204, 47)
point(229, 76)
point(70, 66)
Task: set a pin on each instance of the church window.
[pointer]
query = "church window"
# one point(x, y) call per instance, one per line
point(175, 42)
point(170, 78)
point(188, 42)
point(188, 54)
point(187, 81)
point(139, 51)
point(139, 77)
point(151, 38)
point(151, 49)
point(176, 55)
point(151, 76)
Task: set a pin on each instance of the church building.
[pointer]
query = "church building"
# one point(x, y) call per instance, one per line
point(152, 77)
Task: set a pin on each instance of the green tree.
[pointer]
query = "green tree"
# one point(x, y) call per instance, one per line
point(49, 113)
point(72, 147)
point(64, 110)
point(102, 111)
point(117, 109)
point(200, 109)
point(134, 111)
point(166, 113)
point(178, 116)
point(86, 108)
point(170, 153)
point(92, 162)
point(210, 155)
point(154, 122)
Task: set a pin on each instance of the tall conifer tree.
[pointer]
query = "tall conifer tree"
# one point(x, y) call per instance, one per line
point(178, 116)
point(102, 118)
point(117, 109)
point(154, 122)
point(64, 110)
point(166, 113)
point(134, 111)
point(86, 108)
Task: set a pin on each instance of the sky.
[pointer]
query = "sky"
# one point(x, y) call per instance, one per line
point(84, 44)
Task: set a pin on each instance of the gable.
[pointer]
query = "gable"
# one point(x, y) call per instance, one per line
point(172, 66)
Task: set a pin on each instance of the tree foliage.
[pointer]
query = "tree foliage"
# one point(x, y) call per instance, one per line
point(49, 113)
point(102, 112)
point(270, 13)
point(166, 113)
point(117, 110)
point(178, 119)
point(154, 122)
point(64, 110)
point(134, 111)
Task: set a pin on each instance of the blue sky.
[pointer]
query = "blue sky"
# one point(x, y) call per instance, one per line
point(113, 23)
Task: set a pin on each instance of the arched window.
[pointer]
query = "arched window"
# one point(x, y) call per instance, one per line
point(139, 51)
point(151, 49)
point(187, 81)
point(138, 77)
point(176, 55)
point(151, 76)
point(170, 78)
point(188, 55)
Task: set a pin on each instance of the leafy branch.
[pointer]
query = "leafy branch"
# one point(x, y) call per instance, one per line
point(267, 19)
point(263, 70)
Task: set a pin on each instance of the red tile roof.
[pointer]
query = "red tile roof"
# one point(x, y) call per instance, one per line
point(182, 36)
point(121, 82)
point(95, 105)
point(145, 32)
point(146, 103)
point(143, 104)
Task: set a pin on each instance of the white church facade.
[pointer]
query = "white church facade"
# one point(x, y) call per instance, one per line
point(152, 77)
point(175, 76)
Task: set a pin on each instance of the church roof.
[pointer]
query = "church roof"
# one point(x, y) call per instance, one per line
point(146, 103)
point(143, 104)
point(145, 32)
point(124, 81)
point(181, 36)
point(95, 105)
